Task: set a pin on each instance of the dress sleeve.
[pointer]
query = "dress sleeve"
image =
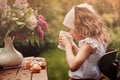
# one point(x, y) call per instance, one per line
point(93, 42)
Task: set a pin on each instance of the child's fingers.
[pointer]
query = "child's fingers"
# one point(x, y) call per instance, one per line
point(60, 39)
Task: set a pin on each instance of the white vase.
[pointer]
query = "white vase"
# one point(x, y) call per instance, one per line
point(9, 56)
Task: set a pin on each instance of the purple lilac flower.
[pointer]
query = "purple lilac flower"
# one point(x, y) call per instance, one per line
point(42, 22)
point(40, 32)
point(20, 36)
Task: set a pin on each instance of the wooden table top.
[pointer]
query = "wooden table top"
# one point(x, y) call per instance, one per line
point(20, 73)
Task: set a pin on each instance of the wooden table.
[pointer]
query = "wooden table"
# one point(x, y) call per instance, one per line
point(20, 73)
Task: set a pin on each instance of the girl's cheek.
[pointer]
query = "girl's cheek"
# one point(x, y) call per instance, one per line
point(72, 32)
point(75, 37)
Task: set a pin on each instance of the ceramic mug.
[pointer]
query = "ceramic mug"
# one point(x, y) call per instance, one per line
point(64, 33)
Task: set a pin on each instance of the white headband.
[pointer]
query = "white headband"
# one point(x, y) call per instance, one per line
point(70, 16)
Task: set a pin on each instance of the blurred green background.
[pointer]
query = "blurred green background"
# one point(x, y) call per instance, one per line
point(54, 12)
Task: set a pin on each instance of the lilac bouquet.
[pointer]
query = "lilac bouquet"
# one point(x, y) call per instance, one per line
point(21, 21)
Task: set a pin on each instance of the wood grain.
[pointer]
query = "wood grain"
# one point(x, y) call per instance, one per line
point(20, 73)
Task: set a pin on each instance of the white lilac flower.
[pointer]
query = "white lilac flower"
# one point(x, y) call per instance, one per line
point(3, 4)
point(22, 13)
point(21, 4)
point(32, 22)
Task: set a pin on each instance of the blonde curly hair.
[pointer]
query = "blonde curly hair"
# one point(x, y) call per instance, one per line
point(90, 24)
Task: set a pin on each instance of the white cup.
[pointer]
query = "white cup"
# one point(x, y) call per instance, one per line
point(68, 35)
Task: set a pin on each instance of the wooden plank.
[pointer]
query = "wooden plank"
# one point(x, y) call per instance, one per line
point(40, 76)
point(43, 73)
point(8, 74)
point(23, 74)
point(20, 73)
point(1, 71)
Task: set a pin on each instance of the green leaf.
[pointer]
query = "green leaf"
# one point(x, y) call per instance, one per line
point(10, 29)
point(37, 41)
point(7, 33)
point(20, 23)
point(14, 18)
point(31, 41)
point(15, 10)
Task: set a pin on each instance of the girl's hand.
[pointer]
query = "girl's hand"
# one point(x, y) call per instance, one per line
point(64, 41)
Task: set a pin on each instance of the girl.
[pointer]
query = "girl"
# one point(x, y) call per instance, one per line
point(86, 28)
